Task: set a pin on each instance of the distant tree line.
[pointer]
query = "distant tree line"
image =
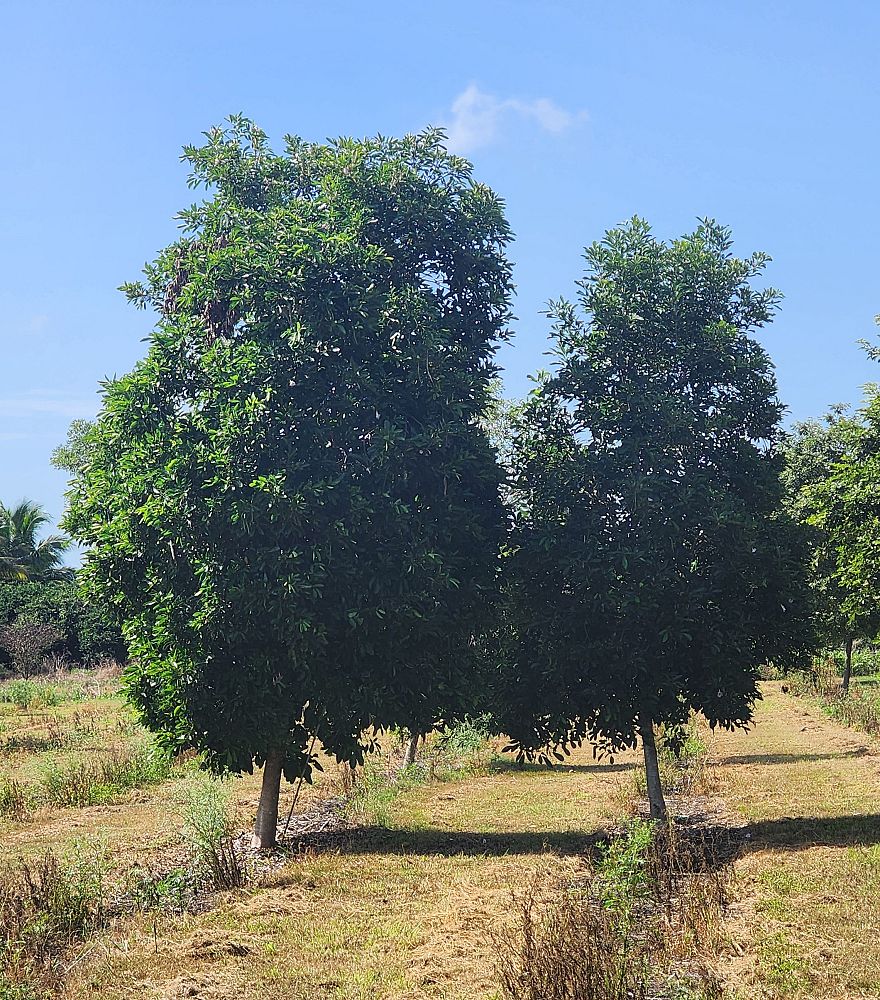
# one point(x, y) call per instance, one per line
point(42, 610)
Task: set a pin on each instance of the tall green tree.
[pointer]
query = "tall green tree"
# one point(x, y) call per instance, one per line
point(290, 501)
point(812, 452)
point(651, 570)
point(26, 552)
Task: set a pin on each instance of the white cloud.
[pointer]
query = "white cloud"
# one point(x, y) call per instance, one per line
point(478, 117)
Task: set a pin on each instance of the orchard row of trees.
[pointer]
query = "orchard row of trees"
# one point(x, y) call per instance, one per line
point(316, 519)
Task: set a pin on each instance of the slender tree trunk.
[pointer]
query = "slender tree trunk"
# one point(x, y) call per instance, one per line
point(652, 769)
point(847, 667)
point(409, 755)
point(266, 823)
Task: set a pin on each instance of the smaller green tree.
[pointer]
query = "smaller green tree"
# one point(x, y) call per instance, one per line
point(842, 503)
point(651, 569)
point(812, 451)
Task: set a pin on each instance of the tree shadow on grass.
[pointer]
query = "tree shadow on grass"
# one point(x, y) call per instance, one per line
point(786, 833)
point(790, 758)
point(803, 832)
point(450, 843)
point(506, 765)
point(721, 842)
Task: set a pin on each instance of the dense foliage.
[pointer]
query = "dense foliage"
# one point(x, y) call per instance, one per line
point(87, 633)
point(841, 500)
point(651, 569)
point(73, 456)
point(290, 501)
point(813, 453)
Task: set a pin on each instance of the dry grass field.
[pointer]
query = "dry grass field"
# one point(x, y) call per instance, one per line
point(407, 902)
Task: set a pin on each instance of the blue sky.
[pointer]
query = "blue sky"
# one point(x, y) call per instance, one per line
point(580, 114)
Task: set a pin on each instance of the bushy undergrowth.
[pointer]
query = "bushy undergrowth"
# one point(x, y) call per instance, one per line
point(87, 780)
point(865, 660)
point(209, 827)
point(60, 687)
point(859, 708)
point(636, 924)
point(93, 780)
point(460, 751)
point(47, 906)
point(26, 693)
point(208, 814)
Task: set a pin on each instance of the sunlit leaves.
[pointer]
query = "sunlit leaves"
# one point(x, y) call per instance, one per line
point(290, 499)
point(650, 567)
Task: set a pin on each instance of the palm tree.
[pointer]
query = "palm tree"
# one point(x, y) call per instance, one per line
point(22, 555)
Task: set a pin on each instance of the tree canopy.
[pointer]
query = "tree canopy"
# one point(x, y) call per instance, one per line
point(651, 569)
point(838, 498)
point(813, 452)
point(290, 501)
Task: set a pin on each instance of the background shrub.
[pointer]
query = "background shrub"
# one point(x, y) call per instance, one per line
point(86, 633)
point(865, 659)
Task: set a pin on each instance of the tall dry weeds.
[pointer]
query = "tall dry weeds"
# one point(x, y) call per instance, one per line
point(641, 921)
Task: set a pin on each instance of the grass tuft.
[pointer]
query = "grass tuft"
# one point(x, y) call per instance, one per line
point(46, 907)
point(209, 827)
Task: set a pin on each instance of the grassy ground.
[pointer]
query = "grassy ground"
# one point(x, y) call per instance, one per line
point(407, 910)
point(402, 911)
point(809, 885)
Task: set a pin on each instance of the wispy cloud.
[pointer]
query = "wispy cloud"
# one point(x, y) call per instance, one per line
point(478, 117)
point(34, 403)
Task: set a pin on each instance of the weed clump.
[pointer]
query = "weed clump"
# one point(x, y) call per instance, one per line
point(172, 891)
point(87, 782)
point(47, 906)
point(636, 924)
point(14, 800)
point(209, 828)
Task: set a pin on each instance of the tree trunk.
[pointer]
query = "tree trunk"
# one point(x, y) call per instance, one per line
point(266, 823)
point(652, 769)
point(847, 667)
point(409, 755)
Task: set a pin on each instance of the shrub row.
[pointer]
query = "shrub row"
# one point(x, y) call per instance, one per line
point(859, 708)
